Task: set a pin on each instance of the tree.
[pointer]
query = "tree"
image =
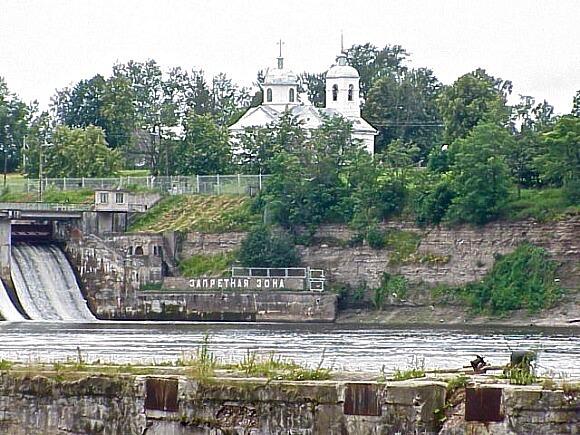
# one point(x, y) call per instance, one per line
point(14, 119)
point(204, 150)
point(576, 104)
point(480, 174)
point(257, 147)
point(560, 161)
point(308, 182)
point(528, 120)
point(80, 152)
point(473, 98)
point(105, 103)
point(315, 86)
point(404, 107)
point(373, 63)
point(264, 248)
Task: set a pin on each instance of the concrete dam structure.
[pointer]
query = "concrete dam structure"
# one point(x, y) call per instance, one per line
point(45, 287)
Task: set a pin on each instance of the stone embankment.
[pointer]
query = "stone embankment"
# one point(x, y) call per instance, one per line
point(45, 403)
point(450, 256)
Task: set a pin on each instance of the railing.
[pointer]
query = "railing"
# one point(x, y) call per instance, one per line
point(195, 184)
point(315, 278)
point(44, 206)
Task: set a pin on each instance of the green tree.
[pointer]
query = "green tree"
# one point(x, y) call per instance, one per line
point(576, 104)
point(404, 107)
point(257, 147)
point(265, 248)
point(80, 152)
point(315, 84)
point(528, 120)
point(474, 98)
point(204, 150)
point(560, 160)
point(373, 63)
point(480, 174)
point(307, 185)
point(14, 119)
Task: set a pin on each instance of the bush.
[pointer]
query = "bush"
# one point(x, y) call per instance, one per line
point(375, 237)
point(263, 248)
point(526, 278)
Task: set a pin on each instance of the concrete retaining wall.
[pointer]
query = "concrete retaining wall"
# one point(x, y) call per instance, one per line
point(35, 405)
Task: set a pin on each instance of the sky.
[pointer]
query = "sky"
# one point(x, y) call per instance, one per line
point(49, 44)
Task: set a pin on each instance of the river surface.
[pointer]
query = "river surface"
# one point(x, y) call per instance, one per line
point(342, 347)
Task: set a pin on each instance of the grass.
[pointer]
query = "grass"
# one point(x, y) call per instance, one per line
point(543, 205)
point(403, 245)
point(84, 196)
point(207, 265)
point(416, 369)
point(197, 213)
point(275, 367)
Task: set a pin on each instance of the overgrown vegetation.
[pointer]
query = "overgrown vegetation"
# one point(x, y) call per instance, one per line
point(525, 278)
point(207, 265)
point(391, 285)
point(197, 213)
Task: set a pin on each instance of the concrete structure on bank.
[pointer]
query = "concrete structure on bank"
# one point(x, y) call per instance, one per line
point(173, 404)
point(280, 90)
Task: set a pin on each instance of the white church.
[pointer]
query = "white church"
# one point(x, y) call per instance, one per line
point(280, 91)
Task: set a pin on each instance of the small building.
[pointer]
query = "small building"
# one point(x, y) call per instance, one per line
point(112, 207)
point(114, 200)
point(280, 90)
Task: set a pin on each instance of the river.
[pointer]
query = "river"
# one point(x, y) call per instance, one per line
point(342, 347)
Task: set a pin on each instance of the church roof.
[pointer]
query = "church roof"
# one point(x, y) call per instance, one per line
point(310, 116)
point(280, 76)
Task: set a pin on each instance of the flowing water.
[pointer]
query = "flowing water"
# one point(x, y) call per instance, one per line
point(343, 347)
point(7, 309)
point(46, 285)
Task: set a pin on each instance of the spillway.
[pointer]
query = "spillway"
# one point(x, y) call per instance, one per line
point(46, 285)
point(7, 309)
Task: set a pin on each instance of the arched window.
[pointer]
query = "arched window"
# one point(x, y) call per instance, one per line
point(334, 92)
point(139, 250)
point(350, 92)
point(291, 95)
point(269, 95)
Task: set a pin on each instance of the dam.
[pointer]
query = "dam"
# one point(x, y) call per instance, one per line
point(45, 287)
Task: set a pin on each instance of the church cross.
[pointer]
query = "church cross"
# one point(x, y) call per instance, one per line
point(280, 44)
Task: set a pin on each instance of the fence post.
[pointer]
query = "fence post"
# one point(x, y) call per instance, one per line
point(64, 184)
point(239, 185)
point(83, 182)
point(197, 184)
point(260, 178)
point(218, 184)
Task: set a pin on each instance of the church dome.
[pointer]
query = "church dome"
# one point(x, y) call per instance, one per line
point(342, 70)
point(280, 77)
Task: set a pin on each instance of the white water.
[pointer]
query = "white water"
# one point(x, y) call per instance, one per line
point(46, 285)
point(7, 309)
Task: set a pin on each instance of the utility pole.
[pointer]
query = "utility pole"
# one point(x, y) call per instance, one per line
point(40, 146)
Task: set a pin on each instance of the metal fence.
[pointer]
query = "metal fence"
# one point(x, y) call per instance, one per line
point(176, 185)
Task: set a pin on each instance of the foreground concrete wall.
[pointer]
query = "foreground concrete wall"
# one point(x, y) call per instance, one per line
point(165, 405)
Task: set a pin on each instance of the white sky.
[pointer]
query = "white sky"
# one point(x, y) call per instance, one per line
point(46, 45)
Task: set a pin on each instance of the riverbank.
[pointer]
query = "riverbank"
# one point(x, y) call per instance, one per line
point(562, 316)
point(197, 399)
